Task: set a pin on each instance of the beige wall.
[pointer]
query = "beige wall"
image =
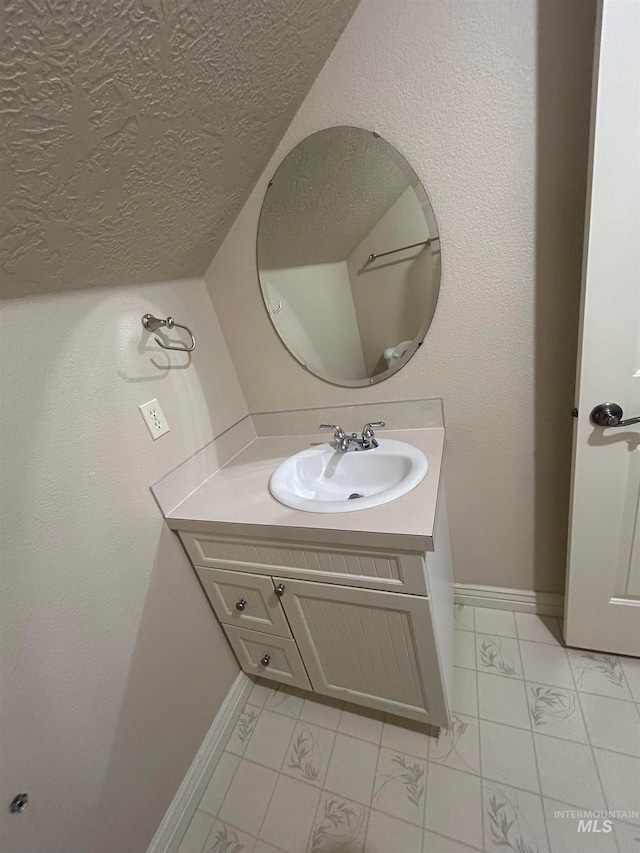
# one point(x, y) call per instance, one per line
point(114, 666)
point(317, 317)
point(490, 104)
point(394, 296)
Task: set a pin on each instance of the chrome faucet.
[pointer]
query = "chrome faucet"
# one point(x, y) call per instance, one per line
point(344, 443)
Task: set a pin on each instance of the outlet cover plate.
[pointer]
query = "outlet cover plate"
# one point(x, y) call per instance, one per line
point(154, 418)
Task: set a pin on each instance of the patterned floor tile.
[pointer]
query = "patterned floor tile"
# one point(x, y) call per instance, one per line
point(501, 623)
point(620, 775)
point(322, 712)
point(538, 629)
point(631, 669)
point(508, 756)
point(454, 805)
point(247, 799)
point(270, 739)
point(433, 843)
point(399, 788)
point(361, 723)
point(224, 839)
point(556, 711)
point(285, 700)
point(546, 664)
point(243, 729)
point(464, 653)
point(503, 700)
point(309, 753)
point(340, 825)
point(260, 691)
point(570, 831)
point(612, 723)
point(407, 737)
point(388, 835)
point(498, 655)
point(352, 768)
point(465, 692)
point(568, 772)
point(464, 617)
point(553, 732)
point(263, 847)
point(289, 819)
point(513, 820)
point(458, 746)
point(219, 783)
point(598, 673)
point(197, 833)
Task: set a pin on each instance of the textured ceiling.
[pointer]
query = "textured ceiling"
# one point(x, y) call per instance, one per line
point(134, 130)
point(327, 195)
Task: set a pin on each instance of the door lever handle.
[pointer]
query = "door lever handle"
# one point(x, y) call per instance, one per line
point(610, 415)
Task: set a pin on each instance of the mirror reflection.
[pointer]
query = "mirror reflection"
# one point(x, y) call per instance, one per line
point(348, 256)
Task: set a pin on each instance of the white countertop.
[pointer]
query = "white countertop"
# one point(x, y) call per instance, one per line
point(236, 500)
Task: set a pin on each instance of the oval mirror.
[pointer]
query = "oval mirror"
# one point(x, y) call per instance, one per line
point(348, 256)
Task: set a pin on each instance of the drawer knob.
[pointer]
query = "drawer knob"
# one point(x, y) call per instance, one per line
point(265, 660)
point(240, 605)
point(280, 590)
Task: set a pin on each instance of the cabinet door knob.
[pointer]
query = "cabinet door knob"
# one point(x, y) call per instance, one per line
point(265, 660)
point(280, 590)
point(240, 605)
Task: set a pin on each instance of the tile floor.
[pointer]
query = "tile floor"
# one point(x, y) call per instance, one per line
point(539, 733)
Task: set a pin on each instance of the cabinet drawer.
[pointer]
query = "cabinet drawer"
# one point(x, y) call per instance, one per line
point(362, 567)
point(239, 598)
point(284, 662)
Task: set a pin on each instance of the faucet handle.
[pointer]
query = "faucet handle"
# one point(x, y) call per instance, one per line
point(338, 433)
point(367, 430)
point(368, 435)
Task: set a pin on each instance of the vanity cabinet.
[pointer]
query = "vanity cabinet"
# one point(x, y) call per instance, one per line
point(365, 625)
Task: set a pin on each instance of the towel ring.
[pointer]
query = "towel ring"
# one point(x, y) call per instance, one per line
point(152, 324)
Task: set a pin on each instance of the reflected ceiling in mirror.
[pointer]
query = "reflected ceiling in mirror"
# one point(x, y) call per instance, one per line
point(348, 256)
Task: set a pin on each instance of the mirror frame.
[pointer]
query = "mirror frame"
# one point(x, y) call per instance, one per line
point(434, 232)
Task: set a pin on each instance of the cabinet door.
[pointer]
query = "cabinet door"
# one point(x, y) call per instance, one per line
point(239, 598)
point(369, 647)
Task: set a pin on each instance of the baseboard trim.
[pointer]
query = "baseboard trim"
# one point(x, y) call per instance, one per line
point(503, 598)
point(174, 823)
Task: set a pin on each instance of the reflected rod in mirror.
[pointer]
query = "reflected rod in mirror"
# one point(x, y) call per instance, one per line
point(350, 316)
point(428, 242)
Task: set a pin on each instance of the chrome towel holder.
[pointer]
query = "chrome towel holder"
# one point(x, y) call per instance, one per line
point(152, 324)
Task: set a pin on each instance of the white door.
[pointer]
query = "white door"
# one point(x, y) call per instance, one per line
point(369, 647)
point(602, 609)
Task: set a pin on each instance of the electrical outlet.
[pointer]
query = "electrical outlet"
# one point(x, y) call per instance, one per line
point(154, 419)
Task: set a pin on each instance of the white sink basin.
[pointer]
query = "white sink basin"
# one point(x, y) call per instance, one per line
point(320, 479)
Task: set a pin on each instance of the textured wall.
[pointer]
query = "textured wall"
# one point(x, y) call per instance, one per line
point(113, 665)
point(489, 101)
point(133, 132)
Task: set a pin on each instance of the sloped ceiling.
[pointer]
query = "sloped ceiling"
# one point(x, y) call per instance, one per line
point(134, 130)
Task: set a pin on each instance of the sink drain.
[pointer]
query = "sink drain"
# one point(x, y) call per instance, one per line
point(354, 495)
